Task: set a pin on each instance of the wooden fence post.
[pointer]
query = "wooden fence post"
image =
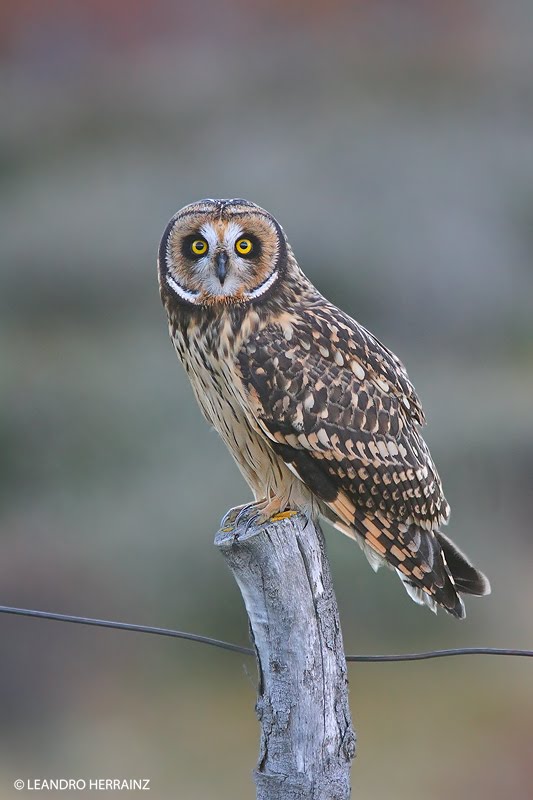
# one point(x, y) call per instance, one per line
point(307, 739)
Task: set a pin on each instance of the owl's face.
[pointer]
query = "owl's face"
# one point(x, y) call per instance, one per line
point(221, 251)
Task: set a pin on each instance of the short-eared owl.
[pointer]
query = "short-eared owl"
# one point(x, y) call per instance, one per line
point(318, 414)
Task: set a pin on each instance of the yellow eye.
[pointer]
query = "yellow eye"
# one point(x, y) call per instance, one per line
point(244, 246)
point(199, 247)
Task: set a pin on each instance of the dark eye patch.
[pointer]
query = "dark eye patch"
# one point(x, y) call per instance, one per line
point(256, 250)
point(186, 244)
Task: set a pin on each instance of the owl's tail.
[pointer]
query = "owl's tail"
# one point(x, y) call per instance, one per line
point(431, 567)
point(467, 578)
point(452, 575)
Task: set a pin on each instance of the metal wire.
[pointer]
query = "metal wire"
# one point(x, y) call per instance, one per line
point(126, 626)
point(247, 651)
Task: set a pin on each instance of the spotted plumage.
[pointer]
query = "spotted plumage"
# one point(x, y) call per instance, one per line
point(319, 415)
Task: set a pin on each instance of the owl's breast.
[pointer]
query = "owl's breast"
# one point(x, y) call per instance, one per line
point(209, 357)
point(206, 352)
point(208, 347)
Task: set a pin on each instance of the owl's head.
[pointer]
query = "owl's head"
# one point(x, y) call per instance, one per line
point(221, 251)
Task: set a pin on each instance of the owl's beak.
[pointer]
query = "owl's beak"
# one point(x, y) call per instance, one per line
point(221, 266)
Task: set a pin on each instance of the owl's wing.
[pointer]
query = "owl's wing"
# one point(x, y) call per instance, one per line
point(339, 408)
point(324, 387)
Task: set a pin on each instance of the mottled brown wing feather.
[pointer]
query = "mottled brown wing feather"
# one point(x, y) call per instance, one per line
point(339, 408)
point(324, 385)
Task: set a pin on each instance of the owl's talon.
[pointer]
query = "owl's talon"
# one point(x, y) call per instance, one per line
point(251, 522)
point(231, 518)
point(243, 515)
point(227, 520)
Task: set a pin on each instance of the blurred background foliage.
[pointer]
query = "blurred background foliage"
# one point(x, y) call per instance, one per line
point(394, 143)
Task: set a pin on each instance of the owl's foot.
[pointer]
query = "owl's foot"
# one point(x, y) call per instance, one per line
point(264, 512)
point(273, 510)
point(256, 513)
point(235, 516)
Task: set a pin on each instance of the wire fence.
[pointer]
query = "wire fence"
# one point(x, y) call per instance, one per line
point(247, 651)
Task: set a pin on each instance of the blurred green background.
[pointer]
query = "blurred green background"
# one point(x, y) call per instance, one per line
point(394, 142)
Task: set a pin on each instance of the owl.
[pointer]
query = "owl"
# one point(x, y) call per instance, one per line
point(319, 415)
